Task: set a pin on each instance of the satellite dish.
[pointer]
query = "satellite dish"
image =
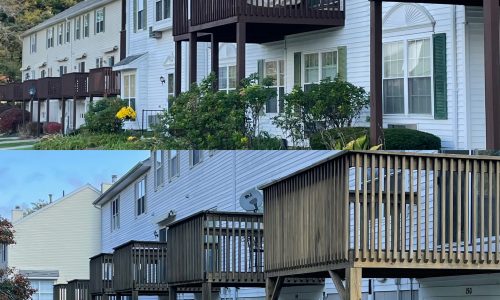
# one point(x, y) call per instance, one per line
point(252, 200)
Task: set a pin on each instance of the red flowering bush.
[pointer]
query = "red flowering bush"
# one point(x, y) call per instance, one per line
point(14, 286)
point(4, 107)
point(52, 128)
point(11, 119)
point(6, 232)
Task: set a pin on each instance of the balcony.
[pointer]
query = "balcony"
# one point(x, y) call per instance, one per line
point(387, 214)
point(78, 290)
point(140, 267)
point(101, 275)
point(267, 20)
point(60, 292)
point(14, 92)
point(75, 85)
point(49, 88)
point(26, 86)
point(221, 249)
point(104, 82)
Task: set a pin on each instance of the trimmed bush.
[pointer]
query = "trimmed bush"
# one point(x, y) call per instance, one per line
point(101, 117)
point(52, 128)
point(11, 119)
point(394, 138)
point(4, 107)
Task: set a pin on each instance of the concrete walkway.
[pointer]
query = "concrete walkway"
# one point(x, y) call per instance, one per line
point(16, 143)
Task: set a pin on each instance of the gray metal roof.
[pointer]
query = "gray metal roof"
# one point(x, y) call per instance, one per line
point(39, 273)
point(69, 13)
point(128, 60)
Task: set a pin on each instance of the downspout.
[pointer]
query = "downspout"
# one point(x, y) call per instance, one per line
point(123, 33)
point(455, 73)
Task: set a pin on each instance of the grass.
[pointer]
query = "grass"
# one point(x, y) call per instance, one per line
point(15, 144)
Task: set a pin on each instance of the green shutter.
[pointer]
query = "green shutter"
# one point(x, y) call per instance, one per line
point(440, 77)
point(145, 15)
point(260, 70)
point(135, 15)
point(297, 69)
point(342, 57)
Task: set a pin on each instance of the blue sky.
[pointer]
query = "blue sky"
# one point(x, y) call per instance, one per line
point(26, 176)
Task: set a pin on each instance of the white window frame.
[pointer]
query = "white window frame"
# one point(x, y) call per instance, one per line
point(115, 214)
point(405, 40)
point(159, 163)
point(78, 28)
point(33, 42)
point(60, 34)
point(99, 62)
point(67, 37)
point(170, 87)
point(173, 173)
point(140, 191)
point(86, 25)
point(50, 37)
point(129, 93)
point(160, 10)
point(98, 23)
point(140, 14)
point(228, 87)
point(320, 65)
point(279, 85)
point(3, 252)
point(192, 163)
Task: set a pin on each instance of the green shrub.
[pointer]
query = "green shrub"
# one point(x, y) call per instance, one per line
point(394, 138)
point(266, 142)
point(101, 117)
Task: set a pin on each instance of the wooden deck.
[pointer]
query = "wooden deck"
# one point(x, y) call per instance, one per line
point(101, 275)
point(140, 268)
point(104, 82)
point(78, 290)
point(60, 291)
point(386, 215)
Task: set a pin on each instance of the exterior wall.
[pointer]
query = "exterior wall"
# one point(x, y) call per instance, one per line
point(481, 287)
point(59, 237)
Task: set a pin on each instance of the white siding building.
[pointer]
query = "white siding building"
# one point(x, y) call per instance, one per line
point(53, 245)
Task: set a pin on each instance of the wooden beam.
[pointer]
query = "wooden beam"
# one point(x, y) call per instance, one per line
point(206, 291)
point(215, 61)
point(193, 57)
point(47, 106)
point(172, 293)
point(241, 39)
point(337, 281)
point(74, 113)
point(178, 68)
point(38, 118)
point(376, 117)
point(63, 117)
point(492, 72)
point(273, 287)
point(135, 295)
point(353, 283)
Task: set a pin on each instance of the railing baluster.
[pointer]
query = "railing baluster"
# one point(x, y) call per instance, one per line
point(474, 211)
point(490, 210)
point(427, 203)
point(356, 208)
point(404, 255)
point(411, 208)
point(481, 213)
point(443, 209)
point(451, 189)
point(497, 214)
point(388, 191)
point(365, 205)
point(460, 168)
point(395, 218)
point(372, 209)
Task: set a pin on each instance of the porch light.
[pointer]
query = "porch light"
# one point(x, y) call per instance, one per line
point(162, 80)
point(32, 91)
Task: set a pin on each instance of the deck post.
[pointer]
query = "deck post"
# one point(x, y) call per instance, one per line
point(206, 291)
point(135, 295)
point(24, 112)
point(47, 106)
point(178, 68)
point(193, 57)
point(63, 117)
point(31, 111)
point(105, 297)
point(376, 118)
point(492, 71)
point(241, 39)
point(215, 61)
point(38, 118)
point(273, 287)
point(337, 281)
point(172, 293)
point(353, 283)
point(74, 113)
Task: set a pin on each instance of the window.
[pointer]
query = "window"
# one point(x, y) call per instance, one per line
point(50, 37)
point(407, 87)
point(49, 72)
point(3, 252)
point(33, 74)
point(81, 67)
point(115, 214)
point(111, 61)
point(141, 22)
point(99, 20)
point(78, 28)
point(170, 88)
point(86, 25)
point(44, 289)
point(60, 34)
point(99, 62)
point(43, 74)
point(276, 70)
point(158, 157)
point(33, 40)
point(227, 78)
point(196, 157)
point(63, 70)
point(129, 89)
point(173, 164)
point(68, 32)
point(140, 196)
point(163, 9)
point(320, 66)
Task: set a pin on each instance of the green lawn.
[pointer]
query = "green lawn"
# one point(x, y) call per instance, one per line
point(15, 144)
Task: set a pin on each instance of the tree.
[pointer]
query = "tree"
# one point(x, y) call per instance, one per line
point(255, 95)
point(13, 286)
point(36, 206)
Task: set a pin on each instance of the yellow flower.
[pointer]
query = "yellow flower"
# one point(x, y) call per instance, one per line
point(126, 113)
point(244, 140)
point(132, 139)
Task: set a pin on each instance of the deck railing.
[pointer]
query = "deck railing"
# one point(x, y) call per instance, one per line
point(60, 292)
point(49, 88)
point(101, 274)
point(104, 82)
point(216, 247)
point(409, 210)
point(27, 86)
point(78, 290)
point(203, 12)
point(14, 92)
point(2, 92)
point(75, 85)
point(140, 266)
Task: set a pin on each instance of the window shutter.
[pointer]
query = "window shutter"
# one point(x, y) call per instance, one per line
point(440, 77)
point(135, 15)
point(103, 19)
point(297, 69)
point(145, 15)
point(342, 57)
point(260, 70)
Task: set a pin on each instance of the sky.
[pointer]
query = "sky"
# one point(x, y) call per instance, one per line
point(27, 176)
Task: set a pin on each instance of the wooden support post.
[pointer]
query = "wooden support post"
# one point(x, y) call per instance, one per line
point(38, 118)
point(178, 68)
point(31, 111)
point(193, 57)
point(74, 113)
point(376, 117)
point(206, 291)
point(215, 61)
point(105, 297)
point(241, 39)
point(135, 295)
point(273, 287)
point(172, 293)
point(353, 283)
point(47, 106)
point(24, 112)
point(337, 281)
point(492, 72)
point(118, 297)
point(63, 117)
